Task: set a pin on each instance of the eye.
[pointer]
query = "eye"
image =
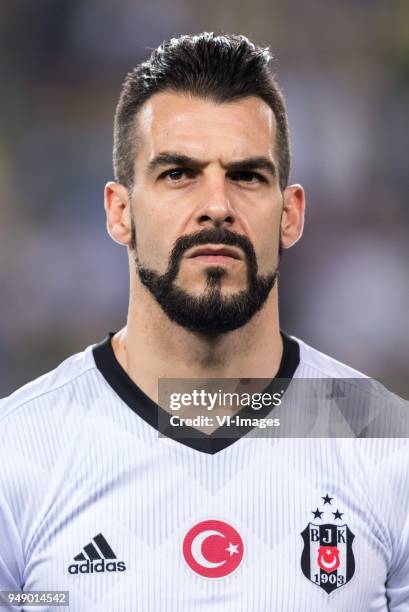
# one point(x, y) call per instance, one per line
point(175, 175)
point(247, 176)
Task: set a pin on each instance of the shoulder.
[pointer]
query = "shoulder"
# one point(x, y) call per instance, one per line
point(367, 405)
point(58, 382)
point(40, 425)
point(40, 430)
point(315, 363)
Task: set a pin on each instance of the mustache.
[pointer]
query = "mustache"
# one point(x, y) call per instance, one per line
point(214, 235)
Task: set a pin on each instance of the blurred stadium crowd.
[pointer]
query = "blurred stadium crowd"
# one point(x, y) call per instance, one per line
point(344, 68)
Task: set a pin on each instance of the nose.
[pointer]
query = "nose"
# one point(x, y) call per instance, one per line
point(215, 209)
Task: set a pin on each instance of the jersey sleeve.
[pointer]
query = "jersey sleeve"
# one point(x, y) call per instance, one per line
point(11, 555)
point(397, 472)
point(397, 585)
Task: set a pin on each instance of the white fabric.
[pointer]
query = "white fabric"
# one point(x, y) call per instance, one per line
point(76, 461)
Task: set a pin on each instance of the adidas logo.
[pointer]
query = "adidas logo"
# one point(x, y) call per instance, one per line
point(98, 557)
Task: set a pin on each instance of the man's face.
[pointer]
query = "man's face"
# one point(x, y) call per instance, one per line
point(206, 179)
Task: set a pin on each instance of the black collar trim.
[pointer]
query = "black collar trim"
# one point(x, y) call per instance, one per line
point(149, 411)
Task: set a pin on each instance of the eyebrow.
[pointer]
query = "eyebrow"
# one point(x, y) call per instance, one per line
point(167, 158)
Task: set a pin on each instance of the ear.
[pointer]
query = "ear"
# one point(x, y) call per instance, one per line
point(292, 220)
point(118, 214)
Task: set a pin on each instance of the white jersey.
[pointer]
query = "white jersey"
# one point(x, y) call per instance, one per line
point(93, 501)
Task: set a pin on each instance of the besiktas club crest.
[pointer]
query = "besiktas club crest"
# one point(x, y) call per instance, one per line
point(213, 549)
point(328, 559)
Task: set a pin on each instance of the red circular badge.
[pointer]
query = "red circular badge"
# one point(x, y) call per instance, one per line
point(213, 549)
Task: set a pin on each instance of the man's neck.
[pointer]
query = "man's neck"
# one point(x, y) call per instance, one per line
point(151, 346)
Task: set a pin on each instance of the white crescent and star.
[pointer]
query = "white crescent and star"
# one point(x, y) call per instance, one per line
point(332, 563)
point(196, 548)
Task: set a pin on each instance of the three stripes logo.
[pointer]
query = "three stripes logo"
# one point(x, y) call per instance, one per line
point(98, 557)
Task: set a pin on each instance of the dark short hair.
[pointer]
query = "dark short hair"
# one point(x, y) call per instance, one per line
point(222, 68)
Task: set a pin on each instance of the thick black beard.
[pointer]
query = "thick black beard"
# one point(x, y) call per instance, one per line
point(211, 313)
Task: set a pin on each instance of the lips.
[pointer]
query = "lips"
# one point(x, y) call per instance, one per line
point(216, 252)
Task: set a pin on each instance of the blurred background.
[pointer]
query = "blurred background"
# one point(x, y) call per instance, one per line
point(344, 69)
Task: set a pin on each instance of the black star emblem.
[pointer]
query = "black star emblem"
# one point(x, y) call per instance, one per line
point(317, 513)
point(337, 514)
point(327, 499)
